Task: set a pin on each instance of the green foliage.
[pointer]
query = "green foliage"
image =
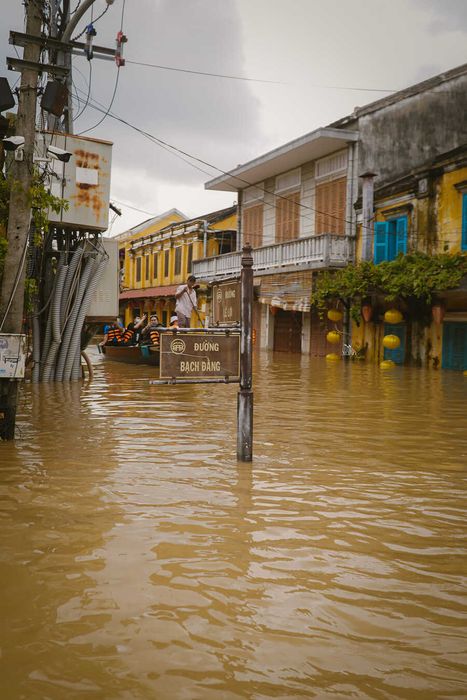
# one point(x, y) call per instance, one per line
point(30, 293)
point(40, 199)
point(410, 278)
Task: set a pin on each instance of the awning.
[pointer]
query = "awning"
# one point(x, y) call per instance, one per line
point(290, 292)
point(149, 292)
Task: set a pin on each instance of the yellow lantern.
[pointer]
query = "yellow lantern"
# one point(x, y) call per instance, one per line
point(334, 315)
point(393, 316)
point(391, 342)
point(387, 364)
point(332, 357)
point(333, 337)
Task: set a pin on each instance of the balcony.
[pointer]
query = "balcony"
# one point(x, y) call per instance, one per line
point(312, 253)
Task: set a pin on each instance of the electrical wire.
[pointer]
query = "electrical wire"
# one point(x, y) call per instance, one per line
point(124, 204)
point(78, 36)
point(91, 128)
point(88, 95)
point(198, 72)
point(107, 112)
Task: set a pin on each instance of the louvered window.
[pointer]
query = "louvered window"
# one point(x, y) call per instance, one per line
point(178, 260)
point(390, 239)
point(138, 269)
point(253, 225)
point(330, 206)
point(287, 217)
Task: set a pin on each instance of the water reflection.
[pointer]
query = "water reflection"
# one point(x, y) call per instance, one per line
point(140, 560)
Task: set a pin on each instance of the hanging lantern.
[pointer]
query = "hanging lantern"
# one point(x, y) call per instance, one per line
point(367, 312)
point(387, 364)
point(332, 357)
point(438, 311)
point(393, 316)
point(333, 337)
point(391, 342)
point(334, 315)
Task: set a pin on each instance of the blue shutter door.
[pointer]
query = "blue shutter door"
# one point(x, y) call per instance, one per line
point(401, 235)
point(381, 242)
point(454, 346)
point(397, 355)
point(464, 222)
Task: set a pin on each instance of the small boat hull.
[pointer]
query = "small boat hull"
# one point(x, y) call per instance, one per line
point(132, 354)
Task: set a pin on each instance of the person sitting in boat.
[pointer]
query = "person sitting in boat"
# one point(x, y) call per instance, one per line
point(130, 335)
point(173, 321)
point(150, 334)
point(112, 334)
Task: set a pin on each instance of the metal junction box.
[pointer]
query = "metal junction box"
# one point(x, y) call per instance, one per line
point(12, 355)
point(84, 181)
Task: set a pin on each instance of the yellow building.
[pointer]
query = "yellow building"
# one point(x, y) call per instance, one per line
point(423, 212)
point(156, 261)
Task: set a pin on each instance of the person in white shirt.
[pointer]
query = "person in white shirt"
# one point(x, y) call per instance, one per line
point(186, 302)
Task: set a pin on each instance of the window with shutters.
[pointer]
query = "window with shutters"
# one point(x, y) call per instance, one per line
point(189, 258)
point(166, 262)
point(390, 239)
point(154, 265)
point(147, 261)
point(330, 204)
point(138, 269)
point(253, 225)
point(178, 260)
point(464, 221)
point(287, 217)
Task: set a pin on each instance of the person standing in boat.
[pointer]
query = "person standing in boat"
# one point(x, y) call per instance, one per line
point(186, 302)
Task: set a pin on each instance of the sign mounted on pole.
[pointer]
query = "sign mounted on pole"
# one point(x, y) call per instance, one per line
point(226, 303)
point(200, 355)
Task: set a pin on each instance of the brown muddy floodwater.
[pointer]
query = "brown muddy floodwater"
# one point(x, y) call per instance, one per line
point(139, 560)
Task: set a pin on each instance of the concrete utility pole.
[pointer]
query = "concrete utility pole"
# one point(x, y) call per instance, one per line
point(12, 291)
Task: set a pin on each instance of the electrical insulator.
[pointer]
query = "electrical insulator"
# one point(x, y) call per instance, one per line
point(121, 40)
point(90, 34)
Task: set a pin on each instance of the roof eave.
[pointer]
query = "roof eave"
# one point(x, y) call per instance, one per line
point(316, 144)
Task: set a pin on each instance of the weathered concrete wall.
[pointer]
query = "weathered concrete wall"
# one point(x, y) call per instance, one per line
point(413, 131)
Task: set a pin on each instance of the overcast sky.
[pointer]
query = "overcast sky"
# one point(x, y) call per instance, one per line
point(308, 50)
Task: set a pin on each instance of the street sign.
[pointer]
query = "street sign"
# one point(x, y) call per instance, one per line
point(226, 303)
point(199, 355)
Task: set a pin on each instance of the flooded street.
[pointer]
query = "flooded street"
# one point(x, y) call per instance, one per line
point(140, 560)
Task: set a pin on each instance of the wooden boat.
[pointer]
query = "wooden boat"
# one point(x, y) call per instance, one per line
point(132, 354)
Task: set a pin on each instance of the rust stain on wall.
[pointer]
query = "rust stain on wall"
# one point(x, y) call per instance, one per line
point(88, 195)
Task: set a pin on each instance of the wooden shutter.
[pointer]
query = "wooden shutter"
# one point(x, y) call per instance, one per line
point(381, 242)
point(330, 204)
point(253, 225)
point(401, 235)
point(287, 217)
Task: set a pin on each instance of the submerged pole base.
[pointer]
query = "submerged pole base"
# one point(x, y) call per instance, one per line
point(245, 425)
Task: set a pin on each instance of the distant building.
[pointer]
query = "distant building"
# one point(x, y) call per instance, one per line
point(158, 256)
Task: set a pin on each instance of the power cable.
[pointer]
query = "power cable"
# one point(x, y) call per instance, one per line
point(124, 204)
point(78, 36)
point(88, 95)
point(198, 72)
point(91, 128)
point(254, 80)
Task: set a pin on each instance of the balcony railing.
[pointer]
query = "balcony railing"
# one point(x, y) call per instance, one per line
point(315, 252)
